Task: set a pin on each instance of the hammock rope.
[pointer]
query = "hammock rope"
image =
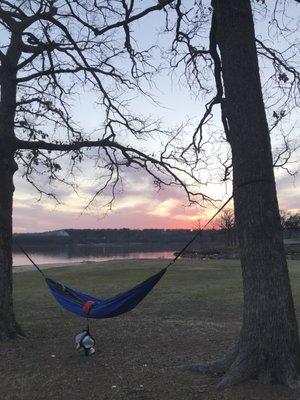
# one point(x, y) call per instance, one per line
point(198, 232)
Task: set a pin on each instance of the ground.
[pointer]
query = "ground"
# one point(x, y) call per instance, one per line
point(192, 315)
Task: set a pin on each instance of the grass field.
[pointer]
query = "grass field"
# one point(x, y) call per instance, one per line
point(192, 315)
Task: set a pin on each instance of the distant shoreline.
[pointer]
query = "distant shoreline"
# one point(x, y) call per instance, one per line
point(30, 268)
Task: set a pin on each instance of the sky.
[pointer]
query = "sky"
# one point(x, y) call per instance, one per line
point(139, 205)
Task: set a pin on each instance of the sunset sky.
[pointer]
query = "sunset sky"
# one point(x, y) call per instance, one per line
point(139, 205)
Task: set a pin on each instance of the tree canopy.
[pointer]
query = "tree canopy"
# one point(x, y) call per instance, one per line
point(61, 49)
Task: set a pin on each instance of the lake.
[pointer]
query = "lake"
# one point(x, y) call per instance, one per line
point(81, 253)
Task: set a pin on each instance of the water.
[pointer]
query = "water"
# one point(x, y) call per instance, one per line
point(81, 253)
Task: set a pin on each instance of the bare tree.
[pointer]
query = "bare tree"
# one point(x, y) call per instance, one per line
point(293, 221)
point(256, 105)
point(198, 225)
point(49, 52)
point(227, 219)
point(283, 218)
point(290, 222)
point(227, 224)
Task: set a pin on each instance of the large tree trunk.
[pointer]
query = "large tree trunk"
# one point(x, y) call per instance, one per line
point(8, 326)
point(268, 346)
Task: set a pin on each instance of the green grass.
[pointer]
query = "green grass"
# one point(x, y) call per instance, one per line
point(212, 282)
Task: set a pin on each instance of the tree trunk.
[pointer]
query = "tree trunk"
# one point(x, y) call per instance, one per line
point(8, 72)
point(8, 326)
point(268, 346)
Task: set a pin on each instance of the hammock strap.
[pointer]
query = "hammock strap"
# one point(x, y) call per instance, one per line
point(198, 233)
point(30, 259)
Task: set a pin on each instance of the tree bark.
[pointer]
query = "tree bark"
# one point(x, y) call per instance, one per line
point(268, 346)
point(8, 326)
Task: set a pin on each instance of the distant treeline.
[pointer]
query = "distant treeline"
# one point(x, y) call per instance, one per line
point(116, 236)
point(161, 237)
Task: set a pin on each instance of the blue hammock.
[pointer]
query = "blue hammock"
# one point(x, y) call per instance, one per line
point(88, 306)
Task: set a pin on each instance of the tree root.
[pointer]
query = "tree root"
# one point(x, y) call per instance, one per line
point(242, 368)
point(218, 366)
point(10, 330)
point(238, 366)
point(251, 366)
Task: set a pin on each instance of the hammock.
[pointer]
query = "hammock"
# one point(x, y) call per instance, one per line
point(88, 306)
